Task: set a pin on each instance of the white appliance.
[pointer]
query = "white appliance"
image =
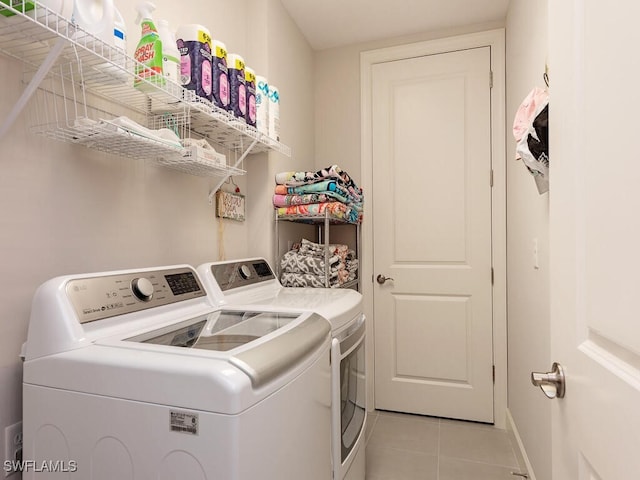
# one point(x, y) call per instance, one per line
point(133, 375)
point(251, 283)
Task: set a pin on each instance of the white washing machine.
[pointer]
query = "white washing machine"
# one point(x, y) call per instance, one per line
point(251, 283)
point(133, 375)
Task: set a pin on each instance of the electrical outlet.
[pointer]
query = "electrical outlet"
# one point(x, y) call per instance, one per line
point(12, 447)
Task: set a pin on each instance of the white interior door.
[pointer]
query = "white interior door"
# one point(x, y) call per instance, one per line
point(431, 143)
point(595, 237)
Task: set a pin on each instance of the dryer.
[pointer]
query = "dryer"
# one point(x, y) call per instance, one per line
point(251, 283)
point(134, 375)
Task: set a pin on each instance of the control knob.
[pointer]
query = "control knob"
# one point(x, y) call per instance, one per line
point(245, 272)
point(142, 288)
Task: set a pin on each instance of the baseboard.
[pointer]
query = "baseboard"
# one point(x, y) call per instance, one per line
point(521, 454)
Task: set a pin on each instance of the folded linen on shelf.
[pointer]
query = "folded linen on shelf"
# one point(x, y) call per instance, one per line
point(328, 187)
point(352, 269)
point(307, 247)
point(336, 210)
point(288, 200)
point(295, 262)
point(332, 172)
point(304, 265)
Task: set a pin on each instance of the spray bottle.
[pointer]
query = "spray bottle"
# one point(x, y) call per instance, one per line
point(149, 50)
point(170, 52)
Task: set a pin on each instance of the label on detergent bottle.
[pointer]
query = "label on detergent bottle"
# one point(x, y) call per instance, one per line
point(274, 112)
point(250, 78)
point(195, 64)
point(262, 105)
point(220, 73)
point(185, 63)
point(237, 84)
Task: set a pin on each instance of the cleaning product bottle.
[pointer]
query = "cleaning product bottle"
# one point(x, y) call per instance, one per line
point(170, 52)
point(119, 38)
point(95, 17)
point(114, 71)
point(262, 104)
point(250, 78)
point(194, 45)
point(149, 50)
point(274, 113)
point(237, 86)
point(119, 31)
point(220, 75)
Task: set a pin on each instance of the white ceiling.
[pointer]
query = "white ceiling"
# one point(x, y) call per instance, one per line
point(335, 23)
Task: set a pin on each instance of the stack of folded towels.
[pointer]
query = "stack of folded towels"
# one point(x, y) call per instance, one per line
point(328, 191)
point(304, 265)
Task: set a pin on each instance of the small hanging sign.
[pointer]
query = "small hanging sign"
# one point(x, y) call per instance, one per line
point(230, 205)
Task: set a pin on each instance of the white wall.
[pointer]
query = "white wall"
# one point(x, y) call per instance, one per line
point(67, 209)
point(527, 219)
point(290, 68)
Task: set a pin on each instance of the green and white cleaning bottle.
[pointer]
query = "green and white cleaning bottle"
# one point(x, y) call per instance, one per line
point(170, 53)
point(149, 51)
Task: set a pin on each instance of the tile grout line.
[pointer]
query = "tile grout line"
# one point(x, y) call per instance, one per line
point(438, 456)
point(488, 464)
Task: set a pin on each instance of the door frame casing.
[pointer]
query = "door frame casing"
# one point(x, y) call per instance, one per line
point(495, 40)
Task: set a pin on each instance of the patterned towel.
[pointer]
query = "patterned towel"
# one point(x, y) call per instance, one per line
point(288, 200)
point(308, 247)
point(336, 210)
point(335, 187)
point(294, 179)
point(295, 262)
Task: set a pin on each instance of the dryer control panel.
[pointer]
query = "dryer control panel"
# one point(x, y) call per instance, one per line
point(239, 274)
point(96, 298)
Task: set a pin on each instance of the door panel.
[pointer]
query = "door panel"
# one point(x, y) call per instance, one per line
point(438, 179)
point(594, 234)
point(432, 234)
point(440, 326)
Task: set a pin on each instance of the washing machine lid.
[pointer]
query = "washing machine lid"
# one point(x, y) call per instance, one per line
point(221, 330)
point(250, 282)
point(338, 306)
point(190, 364)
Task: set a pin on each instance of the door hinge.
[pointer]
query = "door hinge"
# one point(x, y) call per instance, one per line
point(490, 79)
point(491, 178)
point(492, 276)
point(493, 373)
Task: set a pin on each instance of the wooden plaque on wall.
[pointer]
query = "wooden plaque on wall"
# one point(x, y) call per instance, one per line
point(230, 205)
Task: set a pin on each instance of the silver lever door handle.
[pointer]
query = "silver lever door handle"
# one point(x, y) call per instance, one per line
point(552, 383)
point(381, 279)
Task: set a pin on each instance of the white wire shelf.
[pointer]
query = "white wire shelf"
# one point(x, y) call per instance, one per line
point(89, 81)
point(314, 219)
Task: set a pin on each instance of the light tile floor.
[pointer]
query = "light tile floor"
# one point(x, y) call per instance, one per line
point(413, 447)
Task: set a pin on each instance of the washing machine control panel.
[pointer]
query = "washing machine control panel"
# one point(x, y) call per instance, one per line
point(239, 274)
point(96, 298)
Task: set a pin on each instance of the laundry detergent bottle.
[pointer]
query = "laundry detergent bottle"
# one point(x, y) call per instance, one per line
point(149, 51)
